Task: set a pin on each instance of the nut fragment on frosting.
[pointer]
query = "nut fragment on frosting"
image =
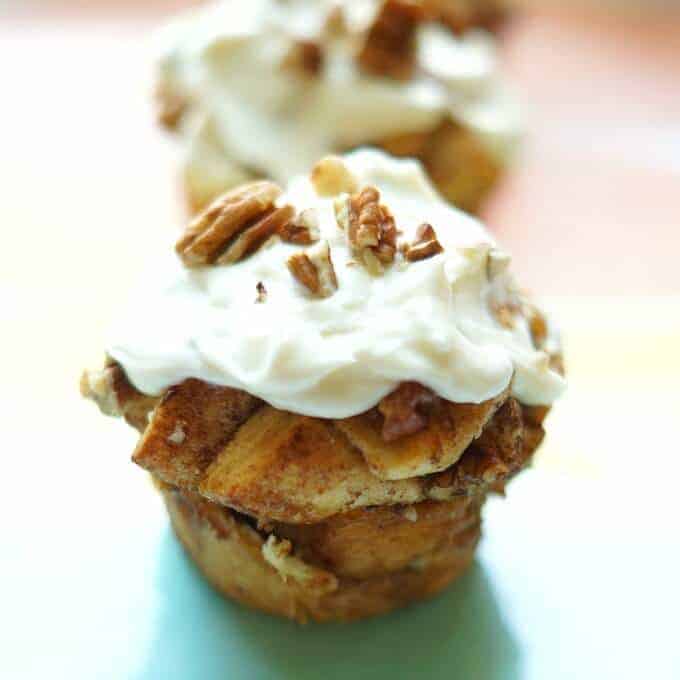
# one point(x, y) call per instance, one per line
point(233, 226)
point(330, 177)
point(314, 269)
point(261, 293)
point(305, 57)
point(303, 229)
point(369, 227)
point(425, 245)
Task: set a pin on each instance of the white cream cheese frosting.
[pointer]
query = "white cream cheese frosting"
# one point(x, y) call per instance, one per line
point(249, 116)
point(427, 321)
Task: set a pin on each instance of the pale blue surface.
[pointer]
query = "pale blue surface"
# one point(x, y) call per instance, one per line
point(203, 636)
point(570, 583)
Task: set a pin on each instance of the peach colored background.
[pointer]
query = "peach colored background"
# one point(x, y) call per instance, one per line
point(584, 551)
point(592, 207)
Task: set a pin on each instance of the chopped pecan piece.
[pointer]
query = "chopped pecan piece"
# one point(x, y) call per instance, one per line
point(538, 326)
point(261, 292)
point(335, 24)
point(497, 262)
point(369, 227)
point(405, 410)
point(170, 106)
point(390, 46)
point(305, 57)
point(330, 177)
point(505, 313)
point(314, 270)
point(303, 229)
point(250, 206)
point(426, 244)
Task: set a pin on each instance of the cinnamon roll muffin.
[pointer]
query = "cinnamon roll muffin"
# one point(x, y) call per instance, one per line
point(328, 381)
point(265, 88)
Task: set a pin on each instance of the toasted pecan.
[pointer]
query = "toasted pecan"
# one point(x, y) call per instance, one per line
point(248, 208)
point(272, 222)
point(426, 244)
point(369, 227)
point(305, 57)
point(390, 45)
point(405, 410)
point(314, 269)
point(302, 230)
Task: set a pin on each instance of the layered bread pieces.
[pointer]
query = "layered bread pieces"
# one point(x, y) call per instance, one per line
point(263, 89)
point(328, 381)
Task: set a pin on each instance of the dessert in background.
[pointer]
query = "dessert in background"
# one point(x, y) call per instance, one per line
point(263, 89)
point(462, 15)
point(328, 381)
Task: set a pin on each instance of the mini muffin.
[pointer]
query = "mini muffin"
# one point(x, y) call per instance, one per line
point(264, 89)
point(328, 381)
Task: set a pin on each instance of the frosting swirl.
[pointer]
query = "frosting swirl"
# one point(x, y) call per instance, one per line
point(430, 321)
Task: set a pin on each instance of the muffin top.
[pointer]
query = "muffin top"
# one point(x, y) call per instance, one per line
point(322, 298)
point(271, 86)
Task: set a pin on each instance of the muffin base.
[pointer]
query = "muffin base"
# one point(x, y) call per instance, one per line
point(229, 552)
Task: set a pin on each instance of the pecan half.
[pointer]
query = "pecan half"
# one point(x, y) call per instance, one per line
point(256, 233)
point(330, 177)
point(390, 45)
point(426, 244)
point(303, 229)
point(305, 57)
point(314, 269)
point(249, 207)
point(405, 410)
point(369, 227)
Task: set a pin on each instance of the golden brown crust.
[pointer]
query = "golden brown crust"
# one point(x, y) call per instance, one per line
point(499, 453)
point(278, 466)
point(450, 430)
point(296, 469)
point(230, 554)
point(189, 427)
point(371, 541)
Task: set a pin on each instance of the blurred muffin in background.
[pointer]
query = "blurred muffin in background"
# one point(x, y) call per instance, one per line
point(264, 88)
point(462, 15)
